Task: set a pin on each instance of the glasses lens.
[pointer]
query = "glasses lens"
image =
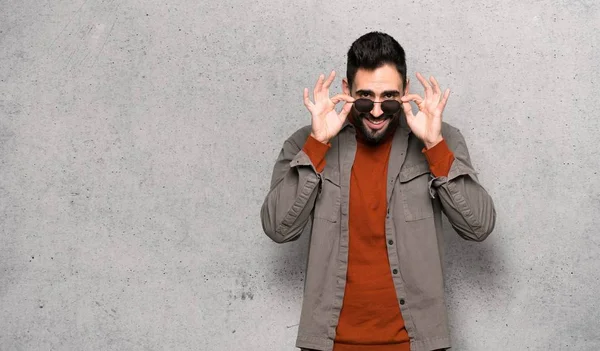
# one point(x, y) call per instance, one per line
point(389, 107)
point(363, 105)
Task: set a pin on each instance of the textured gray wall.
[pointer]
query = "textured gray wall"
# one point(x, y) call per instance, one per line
point(137, 140)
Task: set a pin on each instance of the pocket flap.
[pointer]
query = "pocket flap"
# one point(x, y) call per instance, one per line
point(412, 171)
point(331, 174)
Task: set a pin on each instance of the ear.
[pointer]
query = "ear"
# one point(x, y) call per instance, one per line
point(346, 87)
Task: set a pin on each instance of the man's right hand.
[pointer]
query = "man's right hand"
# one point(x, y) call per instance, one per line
point(326, 122)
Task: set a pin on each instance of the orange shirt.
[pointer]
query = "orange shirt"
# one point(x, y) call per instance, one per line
point(370, 318)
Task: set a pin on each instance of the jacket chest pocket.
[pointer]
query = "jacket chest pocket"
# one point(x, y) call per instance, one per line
point(327, 205)
point(414, 186)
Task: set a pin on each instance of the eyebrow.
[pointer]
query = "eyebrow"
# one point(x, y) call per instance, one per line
point(370, 92)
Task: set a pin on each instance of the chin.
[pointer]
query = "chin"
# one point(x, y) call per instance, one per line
point(375, 133)
point(374, 137)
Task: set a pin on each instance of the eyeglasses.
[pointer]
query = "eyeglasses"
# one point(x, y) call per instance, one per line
point(389, 107)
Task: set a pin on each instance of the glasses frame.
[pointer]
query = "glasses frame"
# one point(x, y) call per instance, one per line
point(365, 103)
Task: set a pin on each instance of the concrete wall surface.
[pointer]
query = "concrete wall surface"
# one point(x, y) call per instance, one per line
point(137, 140)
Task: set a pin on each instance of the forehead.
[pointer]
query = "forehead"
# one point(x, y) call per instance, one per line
point(380, 79)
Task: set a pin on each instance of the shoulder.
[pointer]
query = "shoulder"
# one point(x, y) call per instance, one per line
point(298, 138)
point(452, 135)
point(455, 140)
point(449, 131)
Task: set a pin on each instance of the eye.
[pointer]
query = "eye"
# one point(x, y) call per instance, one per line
point(389, 96)
point(364, 94)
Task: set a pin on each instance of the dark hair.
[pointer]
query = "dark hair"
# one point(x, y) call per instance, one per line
point(372, 51)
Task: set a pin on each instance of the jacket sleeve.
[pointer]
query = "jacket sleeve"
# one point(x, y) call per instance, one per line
point(465, 202)
point(289, 204)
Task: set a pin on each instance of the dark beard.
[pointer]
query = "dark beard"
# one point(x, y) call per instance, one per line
point(366, 134)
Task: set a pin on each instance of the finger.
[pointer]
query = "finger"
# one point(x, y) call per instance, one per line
point(442, 104)
point(329, 80)
point(318, 86)
point(345, 110)
point(425, 84)
point(412, 97)
point(342, 97)
point(436, 89)
point(307, 101)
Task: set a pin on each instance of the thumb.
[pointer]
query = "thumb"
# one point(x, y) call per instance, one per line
point(407, 109)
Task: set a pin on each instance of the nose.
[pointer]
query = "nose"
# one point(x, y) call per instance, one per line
point(376, 111)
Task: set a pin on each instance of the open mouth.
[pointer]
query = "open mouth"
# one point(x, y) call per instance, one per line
point(376, 124)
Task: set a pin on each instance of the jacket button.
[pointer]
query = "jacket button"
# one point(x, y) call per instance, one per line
point(402, 301)
point(395, 271)
point(391, 242)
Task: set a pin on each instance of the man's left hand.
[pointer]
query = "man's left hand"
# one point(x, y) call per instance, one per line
point(427, 123)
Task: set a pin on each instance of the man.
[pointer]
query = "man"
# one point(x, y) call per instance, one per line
point(373, 181)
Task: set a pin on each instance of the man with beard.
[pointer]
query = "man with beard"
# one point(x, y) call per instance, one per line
point(372, 181)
